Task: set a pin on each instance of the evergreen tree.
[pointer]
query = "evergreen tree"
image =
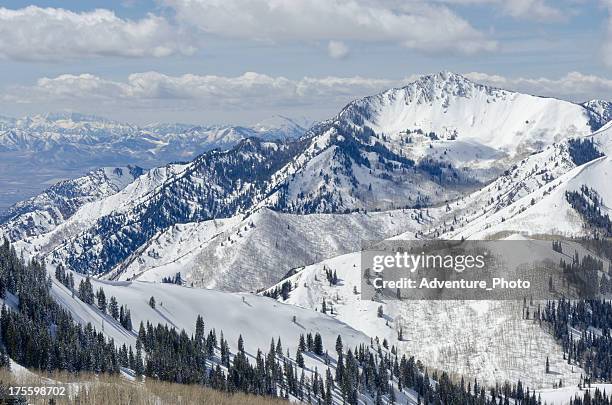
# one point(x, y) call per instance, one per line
point(101, 297)
point(299, 359)
point(86, 293)
point(318, 344)
point(113, 308)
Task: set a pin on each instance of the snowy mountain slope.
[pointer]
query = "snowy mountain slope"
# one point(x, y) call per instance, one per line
point(244, 254)
point(452, 106)
point(488, 340)
point(603, 138)
point(259, 319)
point(216, 185)
point(87, 215)
point(531, 214)
point(540, 171)
point(344, 170)
point(562, 396)
point(42, 213)
point(511, 203)
point(601, 107)
point(35, 150)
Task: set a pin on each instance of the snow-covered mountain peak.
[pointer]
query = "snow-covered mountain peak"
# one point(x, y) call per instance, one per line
point(445, 83)
point(449, 106)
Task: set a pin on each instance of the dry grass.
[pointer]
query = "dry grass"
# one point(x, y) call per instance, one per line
point(92, 389)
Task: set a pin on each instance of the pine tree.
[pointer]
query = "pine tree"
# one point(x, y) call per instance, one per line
point(138, 366)
point(86, 291)
point(339, 345)
point(128, 320)
point(113, 308)
point(101, 300)
point(299, 359)
point(279, 348)
point(199, 329)
point(240, 344)
point(318, 344)
point(152, 302)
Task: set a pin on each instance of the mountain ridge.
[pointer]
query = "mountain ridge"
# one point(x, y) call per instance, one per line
point(348, 163)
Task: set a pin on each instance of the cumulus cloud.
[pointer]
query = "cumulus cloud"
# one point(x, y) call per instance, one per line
point(210, 97)
point(414, 24)
point(34, 33)
point(197, 91)
point(574, 86)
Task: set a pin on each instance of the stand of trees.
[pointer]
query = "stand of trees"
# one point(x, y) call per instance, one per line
point(596, 398)
point(583, 151)
point(283, 291)
point(583, 328)
point(177, 279)
point(588, 204)
point(372, 371)
point(38, 333)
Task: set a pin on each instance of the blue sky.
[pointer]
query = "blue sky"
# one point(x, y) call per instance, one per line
point(240, 61)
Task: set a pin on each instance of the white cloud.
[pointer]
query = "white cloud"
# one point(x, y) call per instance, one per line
point(533, 9)
point(414, 24)
point(210, 98)
point(337, 49)
point(573, 86)
point(538, 10)
point(34, 33)
point(156, 90)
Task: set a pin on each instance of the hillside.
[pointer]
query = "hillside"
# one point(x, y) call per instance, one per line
point(42, 213)
point(487, 340)
point(529, 211)
point(242, 254)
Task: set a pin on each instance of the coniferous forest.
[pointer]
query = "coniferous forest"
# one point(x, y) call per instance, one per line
point(39, 334)
point(36, 332)
point(583, 328)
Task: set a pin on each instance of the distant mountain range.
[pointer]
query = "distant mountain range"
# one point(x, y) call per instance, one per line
point(36, 151)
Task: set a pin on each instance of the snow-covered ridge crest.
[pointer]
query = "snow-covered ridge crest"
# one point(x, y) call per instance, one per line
point(450, 105)
point(42, 213)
